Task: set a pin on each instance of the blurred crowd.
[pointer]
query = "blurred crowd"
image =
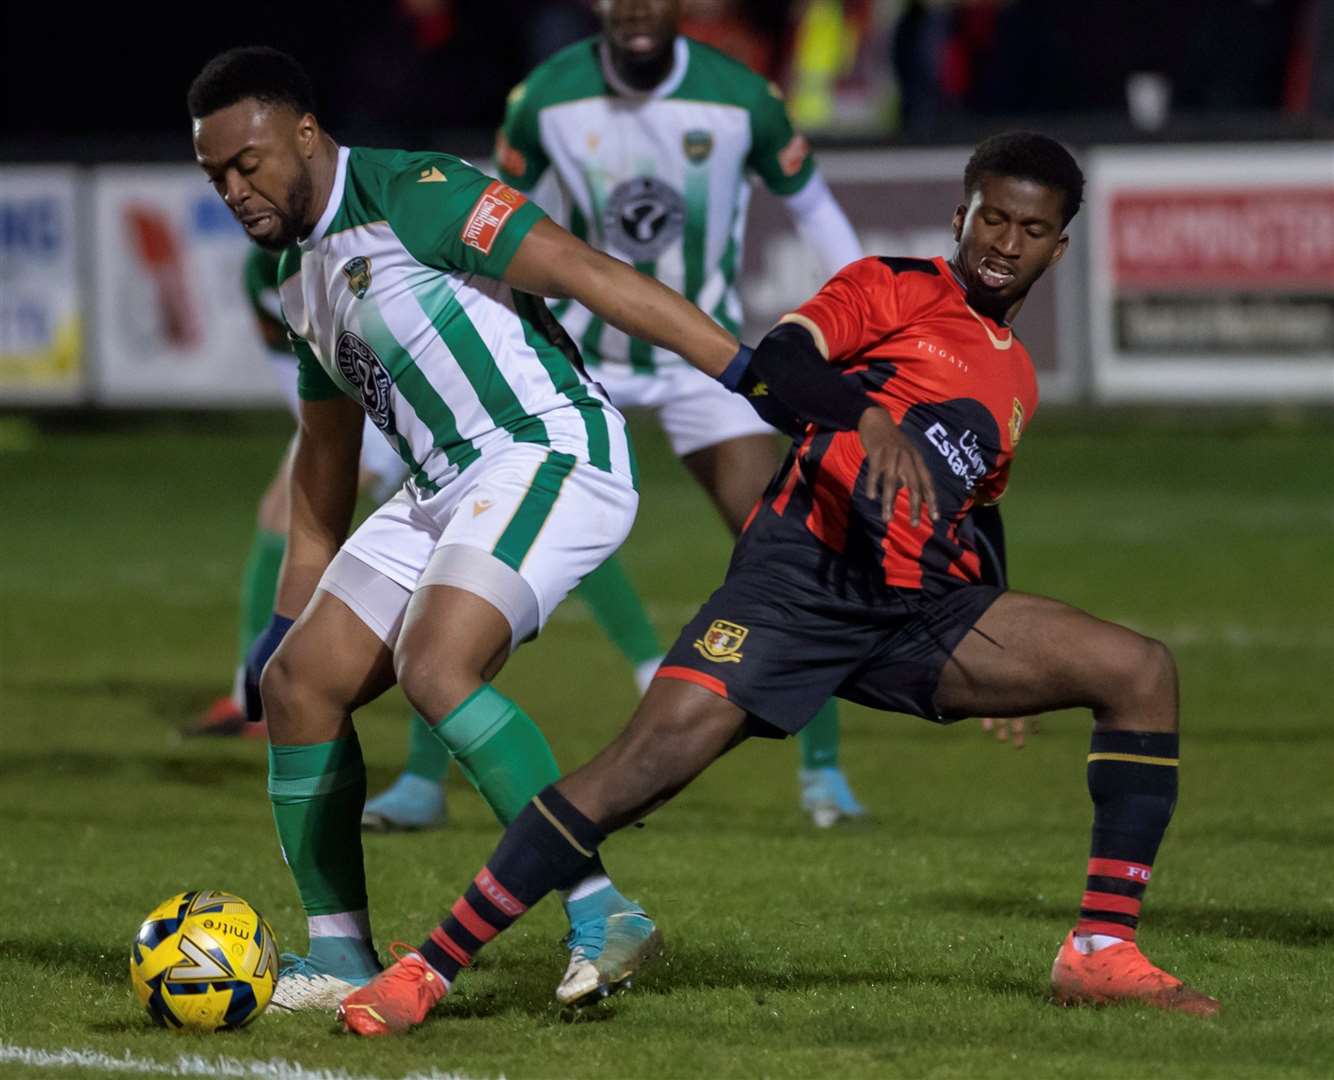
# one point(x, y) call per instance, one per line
point(880, 67)
point(413, 69)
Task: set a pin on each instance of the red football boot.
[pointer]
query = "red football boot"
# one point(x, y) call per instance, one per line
point(1121, 973)
point(398, 998)
point(225, 719)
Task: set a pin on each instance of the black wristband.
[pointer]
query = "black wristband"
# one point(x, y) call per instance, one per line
point(790, 366)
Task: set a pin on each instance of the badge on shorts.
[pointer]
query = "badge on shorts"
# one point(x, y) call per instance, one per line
point(722, 642)
point(358, 271)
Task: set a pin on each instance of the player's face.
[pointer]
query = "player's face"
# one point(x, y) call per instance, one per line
point(641, 30)
point(257, 157)
point(1008, 233)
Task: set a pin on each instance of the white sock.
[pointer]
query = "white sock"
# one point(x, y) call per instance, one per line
point(587, 887)
point(346, 924)
point(1088, 944)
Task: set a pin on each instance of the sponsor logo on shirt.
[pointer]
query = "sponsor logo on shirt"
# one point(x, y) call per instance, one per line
point(793, 156)
point(488, 217)
point(963, 456)
point(722, 642)
point(432, 176)
point(359, 365)
point(643, 218)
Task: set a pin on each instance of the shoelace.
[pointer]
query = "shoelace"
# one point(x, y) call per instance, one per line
point(587, 937)
point(296, 964)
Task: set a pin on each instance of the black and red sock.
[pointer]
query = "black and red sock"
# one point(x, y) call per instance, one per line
point(1132, 778)
point(550, 845)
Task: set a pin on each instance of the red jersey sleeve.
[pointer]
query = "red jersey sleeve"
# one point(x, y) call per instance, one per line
point(857, 308)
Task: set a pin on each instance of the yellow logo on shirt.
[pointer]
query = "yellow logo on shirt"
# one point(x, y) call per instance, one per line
point(1016, 422)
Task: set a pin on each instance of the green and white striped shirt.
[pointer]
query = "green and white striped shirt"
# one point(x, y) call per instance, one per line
point(659, 179)
point(395, 300)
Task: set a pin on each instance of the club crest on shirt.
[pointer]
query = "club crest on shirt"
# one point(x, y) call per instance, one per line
point(1016, 421)
point(358, 271)
point(722, 642)
point(698, 145)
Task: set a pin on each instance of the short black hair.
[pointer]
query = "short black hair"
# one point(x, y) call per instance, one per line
point(250, 71)
point(1028, 156)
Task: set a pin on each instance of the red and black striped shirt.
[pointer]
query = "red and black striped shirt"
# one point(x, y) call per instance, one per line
point(958, 383)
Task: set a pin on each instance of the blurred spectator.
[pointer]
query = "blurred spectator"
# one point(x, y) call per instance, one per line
point(420, 68)
point(840, 78)
point(753, 31)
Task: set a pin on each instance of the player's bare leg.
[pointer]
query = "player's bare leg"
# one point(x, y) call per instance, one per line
point(734, 473)
point(1029, 654)
point(677, 731)
point(452, 645)
point(329, 664)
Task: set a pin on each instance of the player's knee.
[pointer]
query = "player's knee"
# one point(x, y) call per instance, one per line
point(285, 699)
point(433, 689)
point(1145, 678)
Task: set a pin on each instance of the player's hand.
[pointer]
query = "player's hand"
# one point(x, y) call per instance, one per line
point(893, 463)
point(1012, 730)
point(256, 657)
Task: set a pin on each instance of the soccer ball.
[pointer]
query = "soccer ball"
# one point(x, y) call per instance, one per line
point(204, 960)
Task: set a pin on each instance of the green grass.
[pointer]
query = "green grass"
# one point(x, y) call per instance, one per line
point(916, 945)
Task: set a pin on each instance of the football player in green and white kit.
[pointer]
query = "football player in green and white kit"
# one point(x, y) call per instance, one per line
point(411, 284)
point(652, 139)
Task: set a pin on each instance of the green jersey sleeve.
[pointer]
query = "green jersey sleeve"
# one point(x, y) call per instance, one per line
point(312, 381)
point(520, 158)
point(779, 155)
point(260, 276)
point(454, 217)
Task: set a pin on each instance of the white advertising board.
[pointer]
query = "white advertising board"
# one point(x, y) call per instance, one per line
point(173, 325)
point(42, 314)
point(1212, 273)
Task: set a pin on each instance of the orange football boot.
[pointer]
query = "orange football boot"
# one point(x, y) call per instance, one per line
point(398, 998)
point(1121, 973)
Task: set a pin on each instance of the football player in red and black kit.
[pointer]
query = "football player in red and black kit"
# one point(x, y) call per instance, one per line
point(858, 576)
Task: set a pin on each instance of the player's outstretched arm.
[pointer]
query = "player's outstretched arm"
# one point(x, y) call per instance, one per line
point(553, 263)
point(323, 495)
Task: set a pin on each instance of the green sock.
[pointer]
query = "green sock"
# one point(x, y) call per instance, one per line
point(259, 585)
point(428, 757)
point(499, 749)
point(819, 739)
point(317, 794)
point(611, 597)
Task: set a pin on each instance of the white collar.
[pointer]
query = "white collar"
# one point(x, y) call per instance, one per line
point(331, 207)
point(680, 61)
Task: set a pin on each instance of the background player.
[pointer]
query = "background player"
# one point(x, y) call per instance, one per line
point(852, 578)
point(381, 472)
point(652, 139)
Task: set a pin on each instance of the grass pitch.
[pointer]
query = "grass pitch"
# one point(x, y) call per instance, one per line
point(916, 945)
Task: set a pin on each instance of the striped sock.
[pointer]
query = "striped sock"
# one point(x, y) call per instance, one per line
point(1132, 778)
point(550, 845)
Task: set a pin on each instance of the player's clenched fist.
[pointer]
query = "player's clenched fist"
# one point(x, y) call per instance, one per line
point(892, 462)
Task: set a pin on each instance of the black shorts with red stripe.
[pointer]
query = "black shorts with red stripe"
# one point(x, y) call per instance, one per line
point(794, 624)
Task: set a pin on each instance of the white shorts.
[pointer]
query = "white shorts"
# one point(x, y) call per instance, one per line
point(694, 410)
point(377, 457)
point(541, 520)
